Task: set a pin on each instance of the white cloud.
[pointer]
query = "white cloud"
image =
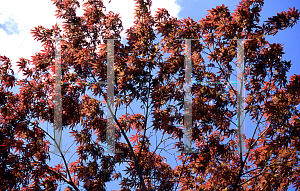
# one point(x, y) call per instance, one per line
point(31, 13)
point(126, 10)
point(170, 5)
point(27, 14)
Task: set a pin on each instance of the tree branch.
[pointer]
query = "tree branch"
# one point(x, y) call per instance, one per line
point(138, 169)
point(146, 120)
point(70, 181)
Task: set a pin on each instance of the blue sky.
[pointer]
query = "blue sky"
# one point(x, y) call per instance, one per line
point(18, 17)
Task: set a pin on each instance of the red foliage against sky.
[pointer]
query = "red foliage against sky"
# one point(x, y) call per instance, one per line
point(271, 103)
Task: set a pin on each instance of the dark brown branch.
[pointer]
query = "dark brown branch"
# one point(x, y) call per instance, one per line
point(138, 169)
point(65, 162)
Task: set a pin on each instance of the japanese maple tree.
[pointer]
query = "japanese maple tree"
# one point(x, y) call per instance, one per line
point(271, 102)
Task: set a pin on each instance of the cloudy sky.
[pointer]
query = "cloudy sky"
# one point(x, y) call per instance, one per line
point(18, 17)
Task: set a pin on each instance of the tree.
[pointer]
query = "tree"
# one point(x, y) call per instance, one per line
point(271, 164)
